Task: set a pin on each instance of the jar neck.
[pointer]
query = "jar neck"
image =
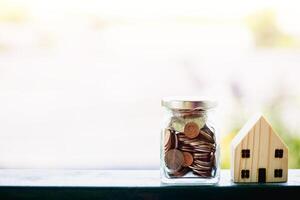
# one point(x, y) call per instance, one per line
point(188, 112)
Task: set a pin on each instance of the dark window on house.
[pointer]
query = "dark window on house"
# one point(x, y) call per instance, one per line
point(278, 173)
point(278, 153)
point(245, 173)
point(246, 153)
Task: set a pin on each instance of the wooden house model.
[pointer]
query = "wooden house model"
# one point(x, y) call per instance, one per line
point(258, 154)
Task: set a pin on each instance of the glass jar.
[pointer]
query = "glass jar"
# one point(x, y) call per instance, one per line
point(189, 142)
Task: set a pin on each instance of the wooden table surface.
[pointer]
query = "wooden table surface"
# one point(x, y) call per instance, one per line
point(131, 184)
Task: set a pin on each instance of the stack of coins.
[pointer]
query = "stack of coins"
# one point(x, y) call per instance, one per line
point(189, 146)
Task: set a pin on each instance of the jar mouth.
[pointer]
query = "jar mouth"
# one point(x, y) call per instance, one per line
point(188, 103)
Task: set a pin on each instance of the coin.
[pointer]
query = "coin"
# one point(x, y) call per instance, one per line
point(167, 135)
point(199, 143)
point(206, 136)
point(177, 124)
point(191, 130)
point(202, 154)
point(183, 171)
point(189, 150)
point(174, 159)
point(202, 163)
point(200, 167)
point(175, 145)
point(209, 130)
point(200, 121)
point(203, 150)
point(202, 173)
point(167, 139)
point(188, 159)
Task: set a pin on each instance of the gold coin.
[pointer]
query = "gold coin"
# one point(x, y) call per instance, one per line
point(188, 159)
point(191, 130)
point(174, 159)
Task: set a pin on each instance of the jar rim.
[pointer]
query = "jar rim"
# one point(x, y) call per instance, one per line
point(188, 103)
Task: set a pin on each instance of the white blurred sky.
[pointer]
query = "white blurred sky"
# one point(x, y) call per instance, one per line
point(81, 81)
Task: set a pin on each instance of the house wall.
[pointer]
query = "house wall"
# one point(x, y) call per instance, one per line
point(262, 142)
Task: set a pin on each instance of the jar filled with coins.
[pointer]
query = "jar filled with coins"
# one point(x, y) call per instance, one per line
point(189, 142)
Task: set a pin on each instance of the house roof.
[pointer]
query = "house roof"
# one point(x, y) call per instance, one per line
point(247, 128)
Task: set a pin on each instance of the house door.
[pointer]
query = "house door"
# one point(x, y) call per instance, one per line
point(262, 175)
